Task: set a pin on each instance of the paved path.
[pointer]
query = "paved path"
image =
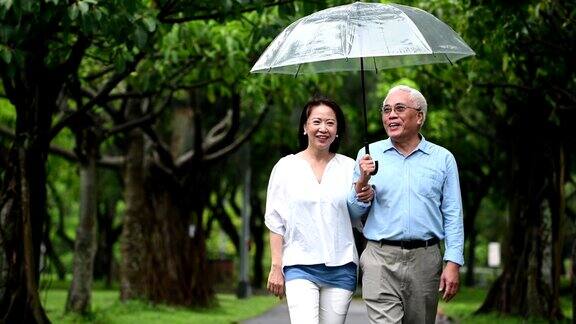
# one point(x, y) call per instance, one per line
point(279, 314)
point(356, 315)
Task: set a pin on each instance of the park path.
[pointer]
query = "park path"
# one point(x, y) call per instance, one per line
point(356, 315)
point(279, 314)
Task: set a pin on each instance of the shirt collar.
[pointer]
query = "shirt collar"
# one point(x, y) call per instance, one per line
point(423, 146)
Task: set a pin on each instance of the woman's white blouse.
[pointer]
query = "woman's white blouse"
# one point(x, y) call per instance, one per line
point(312, 217)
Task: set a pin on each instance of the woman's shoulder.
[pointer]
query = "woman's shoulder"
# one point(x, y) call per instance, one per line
point(345, 159)
point(287, 158)
point(286, 161)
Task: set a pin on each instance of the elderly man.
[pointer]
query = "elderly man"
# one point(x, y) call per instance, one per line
point(417, 204)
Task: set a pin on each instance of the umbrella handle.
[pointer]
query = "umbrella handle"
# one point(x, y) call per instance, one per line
point(367, 149)
point(375, 168)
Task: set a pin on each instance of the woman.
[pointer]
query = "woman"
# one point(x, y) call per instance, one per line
point(314, 258)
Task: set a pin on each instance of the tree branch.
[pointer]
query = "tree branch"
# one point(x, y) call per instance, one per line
point(239, 141)
point(104, 91)
point(99, 74)
point(225, 130)
point(60, 231)
point(218, 132)
point(141, 95)
point(131, 124)
point(112, 162)
point(164, 155)
point(76, 54)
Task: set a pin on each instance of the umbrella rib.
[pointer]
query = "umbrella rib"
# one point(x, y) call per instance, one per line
point(297, 70)
point(356, 36)
point(345, 43)
point(450, 61)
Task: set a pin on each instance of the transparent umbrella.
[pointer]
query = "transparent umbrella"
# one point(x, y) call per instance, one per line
point(359, 37)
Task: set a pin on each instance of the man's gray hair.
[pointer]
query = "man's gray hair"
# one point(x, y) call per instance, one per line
point(415, 96)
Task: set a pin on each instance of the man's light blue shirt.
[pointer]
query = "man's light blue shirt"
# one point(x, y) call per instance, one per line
point(417, 197)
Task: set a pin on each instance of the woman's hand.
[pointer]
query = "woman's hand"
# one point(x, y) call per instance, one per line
point(276, 281)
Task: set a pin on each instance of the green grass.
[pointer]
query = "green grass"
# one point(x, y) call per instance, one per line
point(108, 309)
point(468, 300)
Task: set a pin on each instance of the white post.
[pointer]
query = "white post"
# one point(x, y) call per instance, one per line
point(494, 257)
point(494, 254)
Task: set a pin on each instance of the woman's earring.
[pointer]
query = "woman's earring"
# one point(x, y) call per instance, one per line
point(336, 135)
point(304, 133)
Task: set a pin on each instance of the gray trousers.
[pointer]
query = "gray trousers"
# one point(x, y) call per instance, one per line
point(400, 285)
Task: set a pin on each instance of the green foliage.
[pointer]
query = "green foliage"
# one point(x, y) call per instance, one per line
point(7, 112)
point(7, 117)
point(115, 26)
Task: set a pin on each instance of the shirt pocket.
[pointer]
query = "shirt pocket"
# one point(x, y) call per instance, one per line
point(429, 185)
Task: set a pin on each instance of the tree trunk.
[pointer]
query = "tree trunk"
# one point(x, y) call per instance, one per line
point(202, 291)
point(557, 199)
point(160, 261)
point(470, 230)
point(21, 218)
point(80, 290)
point(172, 265)
point(23, 194)
point(474, 187)
point(104, 263)
point(470, 279)
point(257, 230)
point(133, 240)
point(53, 256)
point(522, 288)
point(573, 278)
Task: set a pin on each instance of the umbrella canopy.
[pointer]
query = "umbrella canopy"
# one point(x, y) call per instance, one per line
point(385, 35)
point(362, 36)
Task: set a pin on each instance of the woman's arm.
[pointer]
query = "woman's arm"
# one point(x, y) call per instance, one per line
point(276, 276)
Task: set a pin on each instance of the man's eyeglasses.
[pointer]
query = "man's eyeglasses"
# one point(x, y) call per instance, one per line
point(398, 108)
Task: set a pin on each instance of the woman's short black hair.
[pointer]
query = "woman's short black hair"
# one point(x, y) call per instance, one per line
point(341, 123)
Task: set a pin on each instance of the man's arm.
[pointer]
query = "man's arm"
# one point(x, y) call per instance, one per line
point(452, 215)
point(454, 232)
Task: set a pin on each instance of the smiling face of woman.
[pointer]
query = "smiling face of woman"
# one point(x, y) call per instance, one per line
point(321, 127)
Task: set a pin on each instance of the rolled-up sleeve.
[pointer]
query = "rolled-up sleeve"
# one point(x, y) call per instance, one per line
point(274, 201)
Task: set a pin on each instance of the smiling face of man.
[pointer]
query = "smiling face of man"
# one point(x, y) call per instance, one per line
point(401, 117)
